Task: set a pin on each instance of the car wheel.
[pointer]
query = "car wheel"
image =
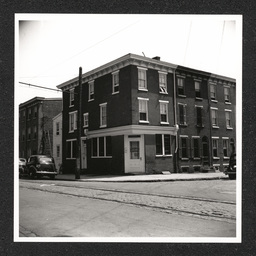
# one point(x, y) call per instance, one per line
point(52, 177)
point(232, 176)
point(31, 174)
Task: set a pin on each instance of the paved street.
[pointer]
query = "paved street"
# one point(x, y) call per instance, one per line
point(147, 209)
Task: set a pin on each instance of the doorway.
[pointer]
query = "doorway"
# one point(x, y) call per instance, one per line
point(83, 154)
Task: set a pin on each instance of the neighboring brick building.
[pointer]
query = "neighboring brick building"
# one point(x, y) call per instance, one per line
point(130, 111)
point(35, 125)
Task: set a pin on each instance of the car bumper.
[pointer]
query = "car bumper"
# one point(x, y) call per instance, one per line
point(47, 173)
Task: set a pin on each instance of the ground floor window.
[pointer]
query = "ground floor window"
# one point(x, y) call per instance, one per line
point(58, 150)
point(215, 151)
point(225, 147)
point(101, 147)
point(196, 147)
point(163, 144)
point(71, 149)
point(184, 147)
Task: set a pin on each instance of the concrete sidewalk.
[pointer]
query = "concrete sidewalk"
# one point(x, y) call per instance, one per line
point(144, 178)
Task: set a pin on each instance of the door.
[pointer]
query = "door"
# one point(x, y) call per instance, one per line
point(134, 154)
point(84, 154)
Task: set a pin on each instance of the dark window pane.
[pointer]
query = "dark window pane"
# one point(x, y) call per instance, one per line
point(108, 146)
point(101, 146)
point(167, 144)
point(94, 147)
point(159, 144)
point(134, 150)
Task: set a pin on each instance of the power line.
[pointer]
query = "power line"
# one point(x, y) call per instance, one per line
point(45, 88)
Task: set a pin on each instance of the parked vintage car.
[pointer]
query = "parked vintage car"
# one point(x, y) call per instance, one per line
point(41, 165)
point(22, 166)
point(231, 169)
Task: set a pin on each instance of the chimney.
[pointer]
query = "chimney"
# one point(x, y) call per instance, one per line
point(156, 58)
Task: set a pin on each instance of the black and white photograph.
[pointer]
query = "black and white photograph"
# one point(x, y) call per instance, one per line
point(128, 128)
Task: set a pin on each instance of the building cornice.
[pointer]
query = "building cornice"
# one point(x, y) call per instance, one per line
point(129, 59)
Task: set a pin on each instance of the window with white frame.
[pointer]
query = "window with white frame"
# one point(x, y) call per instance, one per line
point(91, 90)
point(142, 78)
point(214, 115)
point(195, 147)
point(163, 145)
point(225, 142)
point(226, 94)
point(184, 147)
point(71, 97)
point(164, 111)
point(162, 82)
point(215, 150)
point(181, 85)
point(101, 147)
point(72, 121)
point(182, 114)
point(198, 89)
point(103, 115)
point(71, 149)
point(143, 109)
point(213, 91)
point(228, 118)
point(115, 81)
point(199, 116)
point(86, 119)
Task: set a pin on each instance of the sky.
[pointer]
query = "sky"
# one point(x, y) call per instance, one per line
point(49, 48)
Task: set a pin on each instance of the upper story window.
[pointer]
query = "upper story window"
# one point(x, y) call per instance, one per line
point(29, 113)
point(142, 78)
point(72, 121)
point(91, 91)
point(164, 111)
point(143, 110)
point(227, 94)
point(71, 97)
point(57, 128)
point(29, 133)
point(115, 81)
point(199, 116)
point(35, 112)
point(103, 115)
point(181, 86)
point(182, 114)
point(198, 89)
point(162, 82)
point(213, 91)
point(228, 118)
point(86, 119)
point(214, 115)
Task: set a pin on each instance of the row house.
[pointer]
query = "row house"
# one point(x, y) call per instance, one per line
point(206, 118)
point(35, 125)
point(135, 118)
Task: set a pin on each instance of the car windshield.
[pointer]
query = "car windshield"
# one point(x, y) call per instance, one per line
point(45, 160)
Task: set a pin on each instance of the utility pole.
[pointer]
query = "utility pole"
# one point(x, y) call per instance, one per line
point(78, 160)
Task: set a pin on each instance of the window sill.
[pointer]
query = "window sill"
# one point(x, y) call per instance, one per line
point(71, 131)
point(85, 126)
point(164, 156)
point(196, 158)
point(215, 101)
point(226, 157)
point(166, 93)
point(216, 158)
point(183, 125)
point(166, 123)
point(229, 128)
point(101, 157)
point(71, 106)
point(185, 158)
point(215, 127)
point(200, 126)
point(90, 100)
point(199, 98)
point(103, 126)
point(182, 96)
point(143, 122)
point(144, 90)
point(113, 93)
point(228, 102)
